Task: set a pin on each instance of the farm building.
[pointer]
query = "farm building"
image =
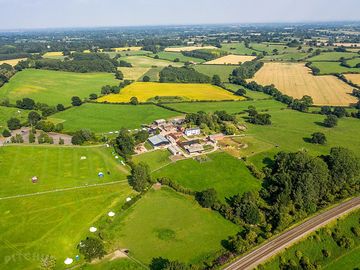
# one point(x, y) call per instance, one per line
point(215, 137)
point(194, 148)
point(158, 140)
point(174, 150)
point(160, 122)
point(192, 131)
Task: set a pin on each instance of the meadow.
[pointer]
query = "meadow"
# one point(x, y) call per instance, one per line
point(333, 67)
point(12, 62)
point(147, 91)
point(188, 48)
point(286, 57)
point(296, 80)
point(54, 55)
point(171, 225)
point(249, 93)
point(231, 59)
point(223, 71)
point(52, 224)
point(333, 56)
point(56, 167)
point(281, 48)
point(109, 117)
point(133, 73)
point(237, 48)
point(153, 74)
point(226, 174)
point(155, 159)
point(53, 87)
point(171, 56)
point(148, 62)
point(312, 246)
point(8, 112)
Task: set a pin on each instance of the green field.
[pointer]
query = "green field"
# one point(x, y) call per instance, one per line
point(287, 57)
point(8, 112)
point(237, 48)
point(110, 117)
point(230, 107)
point(145, 61)
point(123, 264)
point(153, 74)
point(52, 224)
point(171, 56)
point(332, 56)
point(171, 225)
point(53, 87)
point(249, 93)
point(56, 167)
point(155, 159)
point(226, 174)
point(353, 62)
point(282, 48)
point(312, 246)
point(333, 67)
point(223, 71)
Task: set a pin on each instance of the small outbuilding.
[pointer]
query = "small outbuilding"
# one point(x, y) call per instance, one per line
point(192, 131)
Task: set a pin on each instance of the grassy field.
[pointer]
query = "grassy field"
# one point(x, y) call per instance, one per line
point(231, 59)
point(52, 224)
point(146, 91)
point(171, 56)
point(237, 48)
point(12, 62)
point(333, 67)
point(353, 62)
point(249, 93)
point(282, 48)
point(133, 73)
point(167, 224)
point(226, 174)
point(332, 56)
point(53, 87)
point(107, 117)
point(312, 246)
point(188, 48)
point(155, 159)
point(223, 71)
point(230, 107)
point(296, 80)
point(7, 112)
point(355, 78)
point(153, 74)
point(148, 62)
point(56, 167)
point(287, 57)
point(123, 264)
point(54, 55)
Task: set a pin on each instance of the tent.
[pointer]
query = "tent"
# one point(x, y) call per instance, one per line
point(101, 174)
point(68, 261)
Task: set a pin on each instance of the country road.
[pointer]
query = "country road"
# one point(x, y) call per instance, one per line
point(272, 247)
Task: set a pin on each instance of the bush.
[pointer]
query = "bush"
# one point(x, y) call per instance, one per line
point(82, 136)
point(318, 138)
point(330, 121)
point(206, 198)
point(13, 123)
point(6, 133)
point(146, 78)
point(325, 253)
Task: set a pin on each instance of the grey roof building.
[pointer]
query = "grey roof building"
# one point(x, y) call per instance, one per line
point(158, 140)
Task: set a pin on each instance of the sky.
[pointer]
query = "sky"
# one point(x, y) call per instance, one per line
point(20, 14)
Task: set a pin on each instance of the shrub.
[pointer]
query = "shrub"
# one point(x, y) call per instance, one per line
point(6, 133)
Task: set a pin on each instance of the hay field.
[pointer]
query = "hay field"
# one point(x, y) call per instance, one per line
point(148, 62)
point(355, 78)
point(296, 80)
point(187, 48)
point(146, 91)
point(54, 55)
point(12, 62)
point(230, 60)
point(122, 49)
point(133, 73)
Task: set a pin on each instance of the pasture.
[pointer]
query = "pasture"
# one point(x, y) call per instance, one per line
point(133, 73)
point(155, 159)
point(153, 74)
point(188, 48)
point(147, 91)
point(171, 225)
point(237, 48)
point(355, 78)
point(54, 55)
point(223, 71)
point(353, 62)
point(296, 80)
point(231, 59)
point(123, 49)
point(333, 56)
point(12, 62)
point(171, 56)
point(312, 246)
point(52, 224)
point(226, 174)
point(53, 87)
point(148, 62)
point(8, 112)
point(102, 118)
point(56, 167)
point(286, 57)
point(333, 67)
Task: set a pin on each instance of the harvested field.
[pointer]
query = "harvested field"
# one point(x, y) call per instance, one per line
point(296, 80)
point(231, 60)
point(12, 62)
point(123, 49)
point(355, 78)
point(187, 48)
point(133, 73)
point(189, 91)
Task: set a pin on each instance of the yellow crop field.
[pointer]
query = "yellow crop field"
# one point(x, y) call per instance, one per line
point(187, 48)
point(355, 78)
point(133, 73)
point(146, 91)
point(12, 62)
point(230, 60)
point(122, 49)
point(296, 80)
point(53, 54)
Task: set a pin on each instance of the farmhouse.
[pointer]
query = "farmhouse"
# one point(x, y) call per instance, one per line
point(192, 131)
point(158, 140)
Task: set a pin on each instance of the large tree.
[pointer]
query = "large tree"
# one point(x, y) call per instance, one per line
point(91, 248)
point(140, 176)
